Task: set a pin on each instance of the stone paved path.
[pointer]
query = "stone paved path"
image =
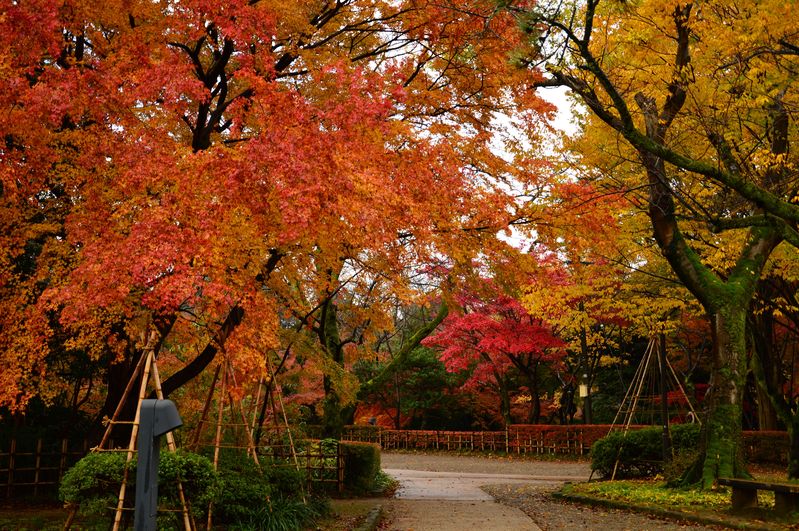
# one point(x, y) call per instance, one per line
point(449, 493)
point(452, 499)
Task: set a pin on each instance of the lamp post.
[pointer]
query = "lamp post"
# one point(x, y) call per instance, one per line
point(585, 394)
point(156, 418)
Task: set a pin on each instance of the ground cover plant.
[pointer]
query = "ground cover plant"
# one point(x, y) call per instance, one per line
point(656, 493)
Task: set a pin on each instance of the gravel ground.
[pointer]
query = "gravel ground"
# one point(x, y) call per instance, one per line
point(552, 514)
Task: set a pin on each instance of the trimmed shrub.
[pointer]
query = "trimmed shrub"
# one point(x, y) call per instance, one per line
point(94, 482)
point(243, 488)
point(640, 452)
point(361, 466)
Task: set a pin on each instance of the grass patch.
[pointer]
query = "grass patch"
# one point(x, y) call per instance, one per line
point(385, 484)
point(644, 492)
point(344, 515)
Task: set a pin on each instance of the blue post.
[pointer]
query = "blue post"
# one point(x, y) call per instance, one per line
point(156, 418)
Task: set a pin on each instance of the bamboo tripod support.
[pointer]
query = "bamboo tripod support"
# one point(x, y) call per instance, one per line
point(147, 367)
point(636, 390)
point(225, 376)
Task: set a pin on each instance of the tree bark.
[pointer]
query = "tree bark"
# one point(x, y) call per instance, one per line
point(198, 364)
point(720, 443)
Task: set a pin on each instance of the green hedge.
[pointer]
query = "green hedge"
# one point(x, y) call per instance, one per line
point(640, 452)
point(361, 466)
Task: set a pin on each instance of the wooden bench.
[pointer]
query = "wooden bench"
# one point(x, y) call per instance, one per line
point(744, 494)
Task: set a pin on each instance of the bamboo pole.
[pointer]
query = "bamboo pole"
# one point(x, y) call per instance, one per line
point(122, 401)
point(133, 434)
point(217, 439)
point(195, 444)
point(245, 424)
point(170, 441)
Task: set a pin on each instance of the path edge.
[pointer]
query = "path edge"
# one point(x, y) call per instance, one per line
point(372, 520)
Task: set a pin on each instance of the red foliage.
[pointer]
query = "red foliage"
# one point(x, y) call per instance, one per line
point(493, 335)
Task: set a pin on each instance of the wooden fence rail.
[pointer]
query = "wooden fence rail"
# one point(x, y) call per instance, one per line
point(518, 439)
point(759, 446)
point(36, 467)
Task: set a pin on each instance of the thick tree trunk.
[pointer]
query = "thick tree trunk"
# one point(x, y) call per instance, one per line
point(720, 444)
point(332, 424)
point(535, 402)
point(766, 415)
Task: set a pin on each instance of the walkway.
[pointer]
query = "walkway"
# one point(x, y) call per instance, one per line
point(443, 493)
point(430, 498)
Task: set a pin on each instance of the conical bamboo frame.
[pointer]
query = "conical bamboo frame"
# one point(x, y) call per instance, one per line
point(146, 367)
point(636, 387)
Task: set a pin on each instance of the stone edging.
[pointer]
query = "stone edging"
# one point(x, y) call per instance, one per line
point(372, 519)
point(665, 513)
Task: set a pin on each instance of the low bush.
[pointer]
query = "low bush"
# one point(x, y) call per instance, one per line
point(242, 488)
point(361, 466)
point(94, 482)
point(640, 452)
point(241, 492)
point(283, 514)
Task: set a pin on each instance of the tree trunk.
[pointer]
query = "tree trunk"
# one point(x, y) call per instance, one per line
point(720, 443)
point(766, 415)
point(504, 403)
point(771, 385)
point(761, 329)
point(398, 417)
point(534, 414)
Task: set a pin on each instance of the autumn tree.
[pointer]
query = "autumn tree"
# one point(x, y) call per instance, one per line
point(493, 336)
point(702, 98)
point(173, 173)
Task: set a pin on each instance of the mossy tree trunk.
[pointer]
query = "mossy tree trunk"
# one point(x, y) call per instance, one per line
point(725, 294)
point(720, 442)
point(330, 338)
